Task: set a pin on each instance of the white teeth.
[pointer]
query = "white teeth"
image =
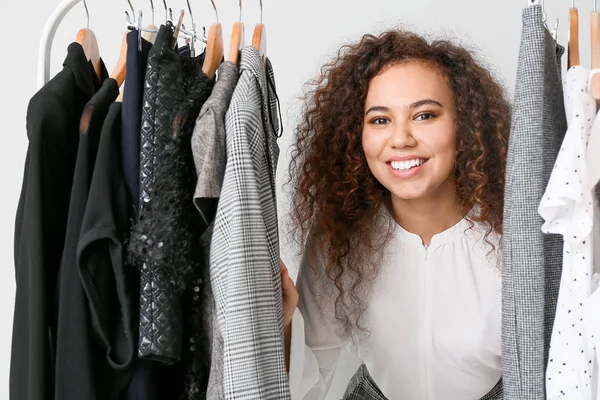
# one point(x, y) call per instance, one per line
point(405, 165)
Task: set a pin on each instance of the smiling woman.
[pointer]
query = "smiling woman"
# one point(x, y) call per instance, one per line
point(398, 173)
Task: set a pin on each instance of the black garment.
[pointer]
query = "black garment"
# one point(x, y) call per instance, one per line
point(108, 284)
point(132, 116)
point(78, 362)
point(160, 298)
point(53, 132)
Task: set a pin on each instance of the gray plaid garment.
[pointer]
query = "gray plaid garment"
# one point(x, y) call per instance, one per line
point(208, 148)
point(244, 259)
point(362, 387)
point(532, 261)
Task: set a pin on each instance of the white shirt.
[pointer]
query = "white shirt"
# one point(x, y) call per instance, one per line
point(568, 209)
point(434, 320)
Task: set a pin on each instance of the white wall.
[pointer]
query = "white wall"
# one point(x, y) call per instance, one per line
point(301, 35)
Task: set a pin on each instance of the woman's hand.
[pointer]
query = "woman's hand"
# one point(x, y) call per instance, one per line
point(290, 301)
point(290, 295)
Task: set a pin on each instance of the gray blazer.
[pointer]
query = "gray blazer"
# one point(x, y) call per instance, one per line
point(208, 148)
point(244, 259)
point(532, 261)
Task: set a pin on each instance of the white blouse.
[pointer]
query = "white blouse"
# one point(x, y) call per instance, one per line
point(568, 208)
point(434, 321)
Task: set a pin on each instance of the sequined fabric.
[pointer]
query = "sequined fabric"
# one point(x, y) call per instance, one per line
point(164, 240)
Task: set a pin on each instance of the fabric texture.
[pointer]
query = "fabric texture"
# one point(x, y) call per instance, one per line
point(363, 387)
point(142, 386)
point(442, 343)
point(160, 325)
point(41, 221)
point(208, 148)
point(166, 237)
point(568, 208)
point(208, 143)
point(244, 254)
point(110, 286)
point(79, 371)
point(532, 261)
point(131, 122)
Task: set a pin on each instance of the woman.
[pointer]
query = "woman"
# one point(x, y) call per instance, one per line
point(398, 173)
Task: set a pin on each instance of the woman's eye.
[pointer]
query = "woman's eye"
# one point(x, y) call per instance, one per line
point(379, 121)
point(424, 116)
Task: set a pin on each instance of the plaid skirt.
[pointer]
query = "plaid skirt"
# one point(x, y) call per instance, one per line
point(362, 387)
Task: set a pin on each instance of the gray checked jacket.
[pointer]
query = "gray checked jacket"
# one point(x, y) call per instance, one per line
point(244, 256)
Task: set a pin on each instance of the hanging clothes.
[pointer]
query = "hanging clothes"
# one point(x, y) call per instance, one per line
point(532, 261)
point(132, 116)
point(109, 285)
point(53, 117)
point(143, 385)
point(568, 209)
point(79, 363)
point(209, 151)
point(160, 303)
point(167, 234)
point(244, 254)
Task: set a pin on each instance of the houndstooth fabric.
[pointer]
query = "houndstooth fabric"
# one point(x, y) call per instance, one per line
point(532, 261)
point(362, 387)
point(244, 255)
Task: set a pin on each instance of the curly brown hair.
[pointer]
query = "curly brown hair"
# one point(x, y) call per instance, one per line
point(337, 199)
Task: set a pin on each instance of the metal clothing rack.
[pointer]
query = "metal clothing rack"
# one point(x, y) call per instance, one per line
point(45, 46)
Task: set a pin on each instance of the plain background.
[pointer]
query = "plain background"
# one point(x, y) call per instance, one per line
point(302, 35)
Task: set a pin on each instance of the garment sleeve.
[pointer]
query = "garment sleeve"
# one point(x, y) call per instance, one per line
point(38, 243)
point(315, 343)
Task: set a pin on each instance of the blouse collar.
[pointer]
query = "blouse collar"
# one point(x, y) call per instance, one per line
point(445, 236)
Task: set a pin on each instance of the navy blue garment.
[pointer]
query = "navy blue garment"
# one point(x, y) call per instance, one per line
point(131, 121)
point(143, 382)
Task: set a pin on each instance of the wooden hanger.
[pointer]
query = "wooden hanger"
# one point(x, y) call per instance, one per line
point(236, 42)
point(573, 48)
point(595, 41)
point(120, 70)
point(214, 50)
point(214, 47)
point(237, 39)
point(151, 36)
point(87, 39)
point(259, 40)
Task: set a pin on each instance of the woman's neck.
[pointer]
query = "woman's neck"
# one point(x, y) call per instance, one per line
point(429, 215)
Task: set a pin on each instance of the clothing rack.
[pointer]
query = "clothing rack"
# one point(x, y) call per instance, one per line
point(45, 48)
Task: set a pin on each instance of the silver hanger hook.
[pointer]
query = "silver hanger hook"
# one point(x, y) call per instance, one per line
point(216, 11)
point(261, 12)
point(87, 14)
point(572, 3)
point(132, 10)
point(240, 10)
point(595, 5)
point(166, 11)
point(152, 8)
point(191, 15)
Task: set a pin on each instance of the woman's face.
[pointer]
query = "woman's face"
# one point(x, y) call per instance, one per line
point(409, 135)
